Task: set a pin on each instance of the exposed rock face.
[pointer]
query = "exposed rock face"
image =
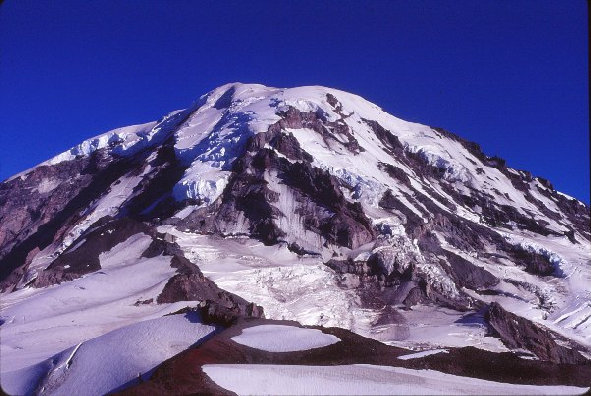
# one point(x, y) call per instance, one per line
point(391, 203)
point(401, 215)
point(42, 193)
point(322, 206)
point(466, 274)
point(518, 332)
point(388, 261)
point(534, 263)
point(228, 315)
point(31, 219)
point(346, 224)
point(83, 256)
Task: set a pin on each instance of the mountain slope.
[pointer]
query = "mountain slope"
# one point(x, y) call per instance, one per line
point(311, 203)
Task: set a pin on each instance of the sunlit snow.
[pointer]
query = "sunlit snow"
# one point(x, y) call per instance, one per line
point(280, 338)
point(106, 363)
point(263, 379)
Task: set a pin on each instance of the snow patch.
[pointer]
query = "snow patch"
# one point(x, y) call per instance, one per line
point(422, 354)
point(47, 185)
point(279, 338)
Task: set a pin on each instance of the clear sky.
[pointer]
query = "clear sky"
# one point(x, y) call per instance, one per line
point(510, 75)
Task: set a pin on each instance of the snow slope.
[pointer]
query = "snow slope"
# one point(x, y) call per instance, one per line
point(422, 354)
point(110, 361)
point(40, 322)
point(259, 379)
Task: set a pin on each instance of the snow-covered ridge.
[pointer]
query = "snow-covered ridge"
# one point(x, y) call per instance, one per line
point(125, 136)
point(124, 141)
point(210, 134)
point(215, 135)
point(102, 365)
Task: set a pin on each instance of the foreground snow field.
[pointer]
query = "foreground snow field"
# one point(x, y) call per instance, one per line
point(359, 379)
point(108, 362)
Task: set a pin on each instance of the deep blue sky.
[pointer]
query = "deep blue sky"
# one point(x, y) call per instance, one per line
point(510, 75)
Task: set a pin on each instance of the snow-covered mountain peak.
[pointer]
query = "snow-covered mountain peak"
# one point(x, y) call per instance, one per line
point(217, 131)
point(312, 203)
point(236, 108)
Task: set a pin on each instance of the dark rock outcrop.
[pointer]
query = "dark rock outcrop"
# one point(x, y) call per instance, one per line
point(228, 315)
point(518, 332)
point(535, 263)
point(98, 174)
point(467, 274)
point(83, 255)
point(322, 205)
point(189, 284)
point(390, 202)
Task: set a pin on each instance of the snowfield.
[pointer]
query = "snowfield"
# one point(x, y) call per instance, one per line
point(38, 323)
point(108, 362)
point(287, 286)
point(305, 290)
point(361, 379)
point(280, 338)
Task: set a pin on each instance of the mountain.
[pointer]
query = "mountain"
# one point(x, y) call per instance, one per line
point(306, 204)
